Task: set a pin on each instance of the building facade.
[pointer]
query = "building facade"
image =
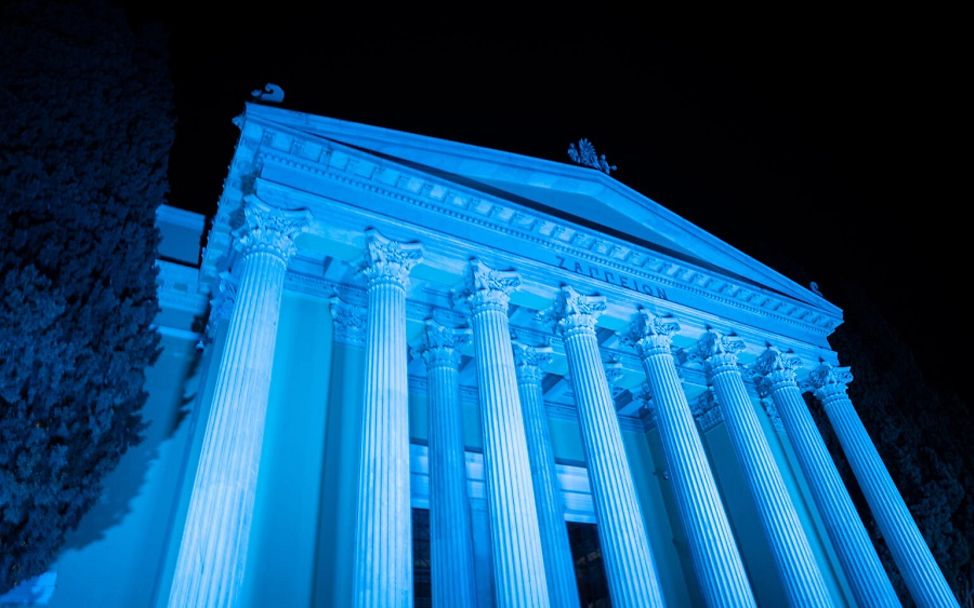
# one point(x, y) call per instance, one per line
point(396, 324)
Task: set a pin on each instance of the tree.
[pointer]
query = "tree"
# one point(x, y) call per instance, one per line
point(86, 130)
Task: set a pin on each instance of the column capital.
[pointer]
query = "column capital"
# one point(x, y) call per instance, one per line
point(719, 351)
point(350, 322)
point(222, 300)
point(828, 381)
point(614, 372)
point(529, 361)
point(574, 311)
point(643, 394)
point(387, 260)
point(707, 411)
point(774, 370)
point(270, 229)
point(487, 288)
point(443, 344)
point(771, 410)
point(650, 334)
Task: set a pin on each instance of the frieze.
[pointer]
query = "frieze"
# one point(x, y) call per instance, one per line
point(601, 273)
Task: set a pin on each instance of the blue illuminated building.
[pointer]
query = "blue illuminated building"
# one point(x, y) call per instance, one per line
point(399, 323)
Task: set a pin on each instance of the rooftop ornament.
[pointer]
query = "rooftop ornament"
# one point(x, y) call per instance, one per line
point(584, 154)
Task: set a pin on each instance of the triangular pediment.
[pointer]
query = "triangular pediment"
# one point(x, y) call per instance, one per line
point(580, 194)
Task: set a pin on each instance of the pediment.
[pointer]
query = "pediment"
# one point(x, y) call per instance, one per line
point(579, 194)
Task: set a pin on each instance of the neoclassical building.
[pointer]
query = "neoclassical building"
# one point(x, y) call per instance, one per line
point(521, 353)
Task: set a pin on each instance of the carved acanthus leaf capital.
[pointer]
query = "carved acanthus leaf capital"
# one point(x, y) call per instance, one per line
point(772, 412)
point(719, 351)
point(707, 411)
point(388, 260)
point(222, 301)
point(614, 372)
point(714, 343)
point(350, 322)
point(576, 311)
point(443, 344)
point(270, 229)
point(643, 395)
point(650, 334)
point(827, 380)
point(530, 361)
point(487, 288)
point(774, 369)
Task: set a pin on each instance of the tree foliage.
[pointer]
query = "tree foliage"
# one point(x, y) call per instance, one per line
point(921, 432)
point(85, 134)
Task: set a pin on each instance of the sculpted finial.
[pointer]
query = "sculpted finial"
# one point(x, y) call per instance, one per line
point(584, 154)
point(271, 93)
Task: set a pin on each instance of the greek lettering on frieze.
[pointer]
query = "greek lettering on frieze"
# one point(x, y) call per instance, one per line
point(601, 274)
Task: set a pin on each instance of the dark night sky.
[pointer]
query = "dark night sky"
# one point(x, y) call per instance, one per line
point(825, 142)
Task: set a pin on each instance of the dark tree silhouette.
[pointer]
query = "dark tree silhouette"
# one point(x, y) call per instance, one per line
point(921, 431)
point(85, 128)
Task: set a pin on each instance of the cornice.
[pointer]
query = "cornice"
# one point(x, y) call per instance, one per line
point(178, 288)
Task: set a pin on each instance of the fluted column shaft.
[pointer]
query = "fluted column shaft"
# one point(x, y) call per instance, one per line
point(213, 549)
point(628, 558)
point(559, 567)
point(864, 571)
point(383, 570)
point(519, 576)
point(451, 548)
point(923, 576)
point(716, 560)
point(782, 527)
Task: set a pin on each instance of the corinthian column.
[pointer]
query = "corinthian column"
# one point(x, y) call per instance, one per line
point(519, 576)
point(383, 572)
point(213, 548)
point(919, 569)
point(622, 533)
point(793, 556)
point(451, 549)
point(716, 560)
point(559, 569)
point(864, 571)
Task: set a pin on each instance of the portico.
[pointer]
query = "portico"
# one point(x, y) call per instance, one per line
point(445, 270)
